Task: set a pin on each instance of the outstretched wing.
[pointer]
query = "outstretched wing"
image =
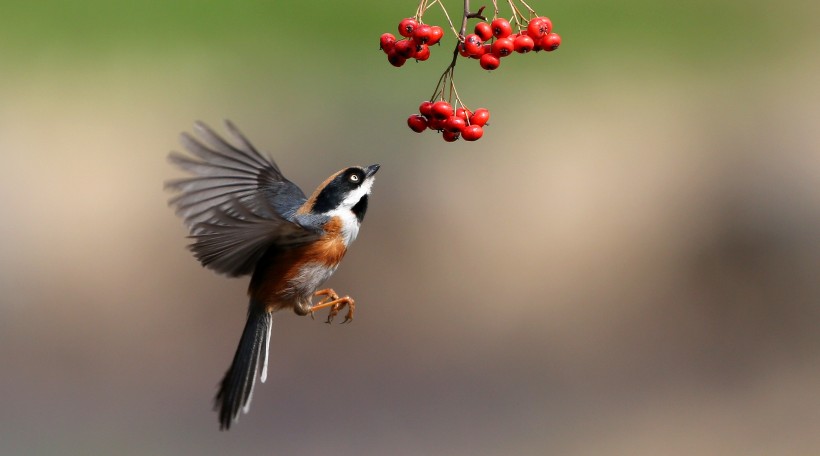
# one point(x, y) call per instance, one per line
point(237, 204)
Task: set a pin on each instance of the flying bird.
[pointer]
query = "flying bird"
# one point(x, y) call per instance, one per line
point(246, 218)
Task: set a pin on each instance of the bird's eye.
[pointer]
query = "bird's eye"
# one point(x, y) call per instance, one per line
point(354, 178)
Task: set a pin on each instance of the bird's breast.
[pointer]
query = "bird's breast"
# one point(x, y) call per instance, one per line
point(308, 278)
point(295, 274)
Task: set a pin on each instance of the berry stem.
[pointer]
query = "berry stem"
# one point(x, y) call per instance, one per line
point(452, 27)
point(455, 92)
point(439, 83)
point(442, 86)
point(517, 16)
point(424, 5)
point(420, 10)
point(514, 20)
point(532, 11)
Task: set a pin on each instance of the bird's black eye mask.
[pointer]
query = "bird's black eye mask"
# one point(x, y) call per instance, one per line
point(354, 176)
point(336, 190)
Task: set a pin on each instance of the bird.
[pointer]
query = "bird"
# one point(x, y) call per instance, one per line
point(246, 218)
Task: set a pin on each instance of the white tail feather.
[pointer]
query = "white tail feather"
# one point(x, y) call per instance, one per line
point(264, 375)
point(247, 407)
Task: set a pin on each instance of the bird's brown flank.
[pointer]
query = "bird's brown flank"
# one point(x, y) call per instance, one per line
point(266, 285)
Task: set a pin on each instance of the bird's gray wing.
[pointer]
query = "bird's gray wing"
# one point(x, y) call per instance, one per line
point(237, 204)
point(234, 240)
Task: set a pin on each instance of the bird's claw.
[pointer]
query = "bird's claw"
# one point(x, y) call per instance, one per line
point(334, 310)
point(351, 307)
point(335, 303)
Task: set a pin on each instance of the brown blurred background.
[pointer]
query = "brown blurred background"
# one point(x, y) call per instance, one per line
point(627, 262)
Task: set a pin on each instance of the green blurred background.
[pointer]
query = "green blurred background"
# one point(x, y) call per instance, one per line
point(627, 262)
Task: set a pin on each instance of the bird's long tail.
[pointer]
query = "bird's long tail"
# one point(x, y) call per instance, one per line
point(236, 388)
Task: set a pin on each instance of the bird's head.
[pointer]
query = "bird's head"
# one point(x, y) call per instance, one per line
point(347, 190)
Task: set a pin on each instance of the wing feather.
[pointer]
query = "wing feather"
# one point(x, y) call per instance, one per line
point(237, 237)
point(237, 204)
point(213, 156)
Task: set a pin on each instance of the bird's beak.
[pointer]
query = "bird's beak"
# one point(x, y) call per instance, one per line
point(371, 170)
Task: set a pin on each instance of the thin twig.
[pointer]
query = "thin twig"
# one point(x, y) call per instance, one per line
point(452, 27)
point(532, 11)
point(518, 16)
point(421, 9)
point(449, 72)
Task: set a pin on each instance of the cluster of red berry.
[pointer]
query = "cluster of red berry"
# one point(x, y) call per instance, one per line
point(416, 45)
point(493, 39)
point(452, 124)
point(536, 37)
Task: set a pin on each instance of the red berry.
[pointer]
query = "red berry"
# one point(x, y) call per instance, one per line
point(421, 35)
point(386, 42)
point(501, 28)
point(454, 124)
point(405, 48)
point(426, 109)
point(480, 117)
point(489, 62)
point(442, 110)
point(395, 59)
point(436, 124)
point(450, 136)
point(503, 47)
point(481, 51)
point(550, 42)
point(422, 52)
point(472, 132)
point(463, 51)
point(523, 44)
point(407, 26)
point(463, 113)
point(472, 44)
point(484, 31)
point(436, 33)
point(417, 123)
point(539, 27)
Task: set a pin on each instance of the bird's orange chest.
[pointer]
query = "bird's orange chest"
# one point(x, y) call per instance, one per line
point(295, 270)
point(330, 249)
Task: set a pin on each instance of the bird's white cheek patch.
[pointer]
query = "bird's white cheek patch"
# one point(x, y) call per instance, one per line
point(357, 194)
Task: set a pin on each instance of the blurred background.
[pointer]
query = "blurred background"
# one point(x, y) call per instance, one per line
point(627, 263)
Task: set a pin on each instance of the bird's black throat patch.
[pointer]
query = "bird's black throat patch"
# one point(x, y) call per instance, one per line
point(360, 208)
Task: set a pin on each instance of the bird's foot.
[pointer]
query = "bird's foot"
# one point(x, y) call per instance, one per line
point(332, 300)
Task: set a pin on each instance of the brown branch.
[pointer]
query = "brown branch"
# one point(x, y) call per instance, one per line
point(467, 14)
point(470, 15)
point(477, 14)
